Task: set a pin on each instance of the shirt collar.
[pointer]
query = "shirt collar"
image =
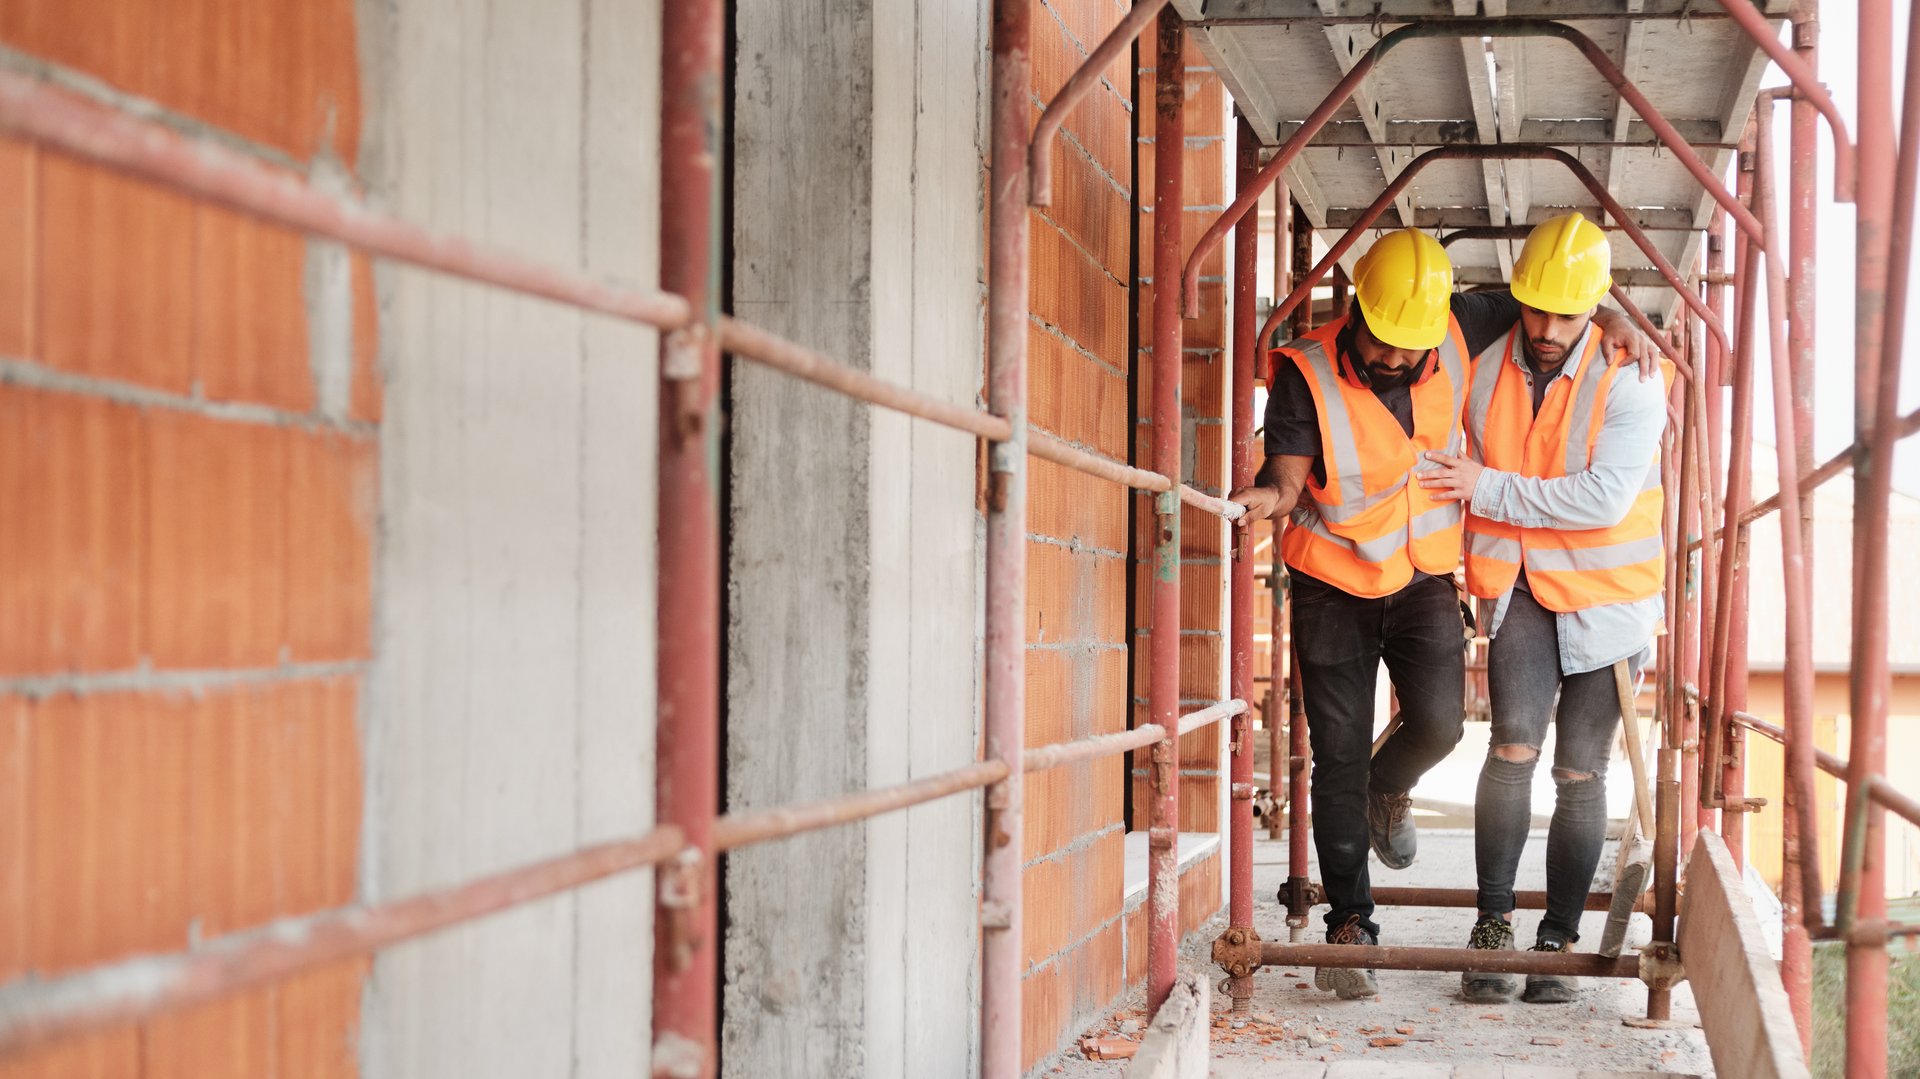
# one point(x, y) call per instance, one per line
point(1576, 355)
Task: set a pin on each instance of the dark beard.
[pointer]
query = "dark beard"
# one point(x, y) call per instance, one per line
point(1387, 380)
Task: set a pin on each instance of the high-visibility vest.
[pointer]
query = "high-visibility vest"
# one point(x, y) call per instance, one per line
point(1567, 569)
point(1368, 526)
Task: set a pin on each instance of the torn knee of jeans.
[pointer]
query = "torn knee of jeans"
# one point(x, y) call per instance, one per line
point(1568, 775)
point(1515, 752)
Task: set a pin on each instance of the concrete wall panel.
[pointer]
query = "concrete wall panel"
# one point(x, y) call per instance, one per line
point(512, 712)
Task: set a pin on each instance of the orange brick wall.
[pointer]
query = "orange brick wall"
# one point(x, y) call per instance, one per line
point(1078, 542)
point(1085, 293)
point(186, 544)
point(1204, 405)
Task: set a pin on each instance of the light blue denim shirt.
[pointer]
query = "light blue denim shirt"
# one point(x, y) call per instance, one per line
point(1600, 496)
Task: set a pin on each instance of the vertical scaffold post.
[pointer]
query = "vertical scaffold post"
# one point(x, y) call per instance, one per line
point(1163, 688)
point(687, 743)
point(1246, 250)
point(1000, 913)
point(1299, 807)
point(1277, 570)
point(1879, 315)
point(1713, 378)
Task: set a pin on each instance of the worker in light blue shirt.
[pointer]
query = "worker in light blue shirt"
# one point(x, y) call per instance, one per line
point(1562, 480)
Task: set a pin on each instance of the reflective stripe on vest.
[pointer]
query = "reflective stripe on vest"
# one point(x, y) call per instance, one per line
point(1567, 569)
point(1367, 527)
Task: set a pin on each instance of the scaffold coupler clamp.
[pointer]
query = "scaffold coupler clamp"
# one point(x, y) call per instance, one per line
point(1660, 966)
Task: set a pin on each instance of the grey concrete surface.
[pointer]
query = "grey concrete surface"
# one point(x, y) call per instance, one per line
point(855, 558)
point(1294, 1028)
point(510, 716)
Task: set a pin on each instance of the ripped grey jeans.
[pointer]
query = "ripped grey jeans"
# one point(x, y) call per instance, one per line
point(1523, 677)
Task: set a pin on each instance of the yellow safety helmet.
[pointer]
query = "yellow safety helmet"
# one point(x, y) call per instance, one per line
point(1404, 285)
point(1565, 266)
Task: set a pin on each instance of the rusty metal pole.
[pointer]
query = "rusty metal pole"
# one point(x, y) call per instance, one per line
point(1879, 319)
point(687, 742)
point(1693, 522)
point(1712, 384)
point(1298, 888)
point(1277, 694)
point(1246, 249)
point(1797, 783)
point(1002, 962)
point(1729, 685)
point(1798, 676)
point(1163, 688)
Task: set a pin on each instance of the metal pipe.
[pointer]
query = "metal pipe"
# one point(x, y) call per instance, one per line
point(1042, 758)
point(1392, 957)
point(686, 923)
point(1078, 85)
point(1715, 586)
point(1429, 28)
point(1299, 795)
point(1452, 898)
point(1208, 716)
point(1285, 241)
point(1047, 447)
point(1807, 82)
point(1002, 961)
point(1904, 427)
point(1884, 268)
point(742, 829)
point(1879, 788)
point(1503, 152)
point(148, 150)
point(1163, 689)
point(1798, 677)
point(1730, 620)
point(1468, 25)
point(35, 1012)
point(1246, 250)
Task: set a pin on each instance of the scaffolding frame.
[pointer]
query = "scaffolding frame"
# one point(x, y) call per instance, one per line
point(55, 112)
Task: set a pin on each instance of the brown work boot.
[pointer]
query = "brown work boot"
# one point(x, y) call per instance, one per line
point(1390, 827)
point(1490, 933)
point(1349, 983)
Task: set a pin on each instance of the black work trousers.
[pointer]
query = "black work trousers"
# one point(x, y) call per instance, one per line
point(1342, 640)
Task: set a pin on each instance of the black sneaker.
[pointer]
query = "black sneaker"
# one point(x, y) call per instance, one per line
point(1550, 988)
point(1348, 983)
point(1390, 828)
point(1492, 934)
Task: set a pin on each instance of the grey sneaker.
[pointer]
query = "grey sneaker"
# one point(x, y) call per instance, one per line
point(1390, 828)
point(1491, 933)
point(1550, 988)
point(1348, 983)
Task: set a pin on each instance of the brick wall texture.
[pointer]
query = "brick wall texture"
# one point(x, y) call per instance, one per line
point(185, 543)
point(1086, 672)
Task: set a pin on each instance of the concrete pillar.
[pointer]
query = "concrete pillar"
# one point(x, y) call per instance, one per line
point(511, 716)
point(853, 623)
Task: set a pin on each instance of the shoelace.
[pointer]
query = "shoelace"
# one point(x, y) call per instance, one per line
point(1491, 933)
point(1398, 806)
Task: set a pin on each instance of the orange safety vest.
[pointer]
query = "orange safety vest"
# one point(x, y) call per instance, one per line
point(1567, 569)
point(1369, 526)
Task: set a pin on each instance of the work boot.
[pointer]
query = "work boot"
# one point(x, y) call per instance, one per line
point(1349, 983)
point(1490, 934)
point(1390, 828)
point(1550, 988)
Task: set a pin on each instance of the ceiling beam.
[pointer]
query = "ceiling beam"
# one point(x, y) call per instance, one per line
point(1349, 44)
point(1423, 134)
point(1661, 219)
point(1630, 64)
point(1473, 55)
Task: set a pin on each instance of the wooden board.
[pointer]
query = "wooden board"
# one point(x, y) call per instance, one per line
point(1743, 1005)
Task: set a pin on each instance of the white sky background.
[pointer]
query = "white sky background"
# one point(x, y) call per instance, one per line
point(1833, 317)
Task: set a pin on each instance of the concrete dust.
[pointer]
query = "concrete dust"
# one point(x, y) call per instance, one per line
point(1419, 1016)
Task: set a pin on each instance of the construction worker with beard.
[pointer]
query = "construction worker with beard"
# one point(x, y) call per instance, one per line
point(1562, 482)
point(1354, 408)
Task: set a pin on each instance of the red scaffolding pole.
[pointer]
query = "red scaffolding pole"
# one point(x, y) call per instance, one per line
point(687, 741)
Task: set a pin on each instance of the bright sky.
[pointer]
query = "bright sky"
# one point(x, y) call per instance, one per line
point(1833, 318)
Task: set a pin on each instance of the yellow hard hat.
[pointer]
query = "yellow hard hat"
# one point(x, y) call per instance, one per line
point(1404, 284)
point(1565, 266)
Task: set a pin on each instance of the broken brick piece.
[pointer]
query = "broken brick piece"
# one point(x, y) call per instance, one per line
point(1386, 1041)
